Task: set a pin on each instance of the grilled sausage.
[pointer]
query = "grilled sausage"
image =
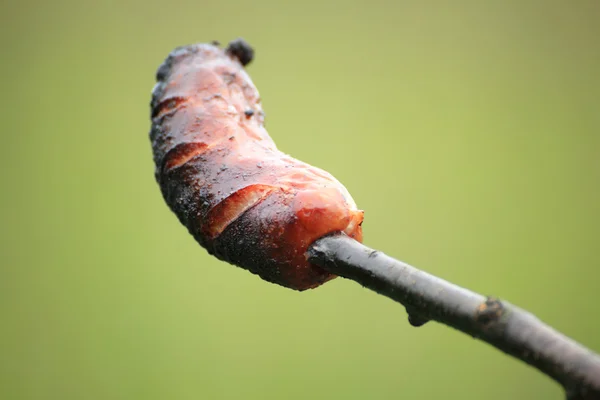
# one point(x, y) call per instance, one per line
point(242, 199)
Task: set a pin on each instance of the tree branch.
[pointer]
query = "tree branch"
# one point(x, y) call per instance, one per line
point(426, 297)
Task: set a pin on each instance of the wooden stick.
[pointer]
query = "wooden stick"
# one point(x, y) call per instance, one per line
point(427, 297)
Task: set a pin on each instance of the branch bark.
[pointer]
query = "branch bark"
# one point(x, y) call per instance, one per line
point(499, 323)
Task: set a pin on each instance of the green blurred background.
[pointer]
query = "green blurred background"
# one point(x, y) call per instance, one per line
point(469, 132)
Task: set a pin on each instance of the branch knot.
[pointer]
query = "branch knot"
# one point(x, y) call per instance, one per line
point(489, 313)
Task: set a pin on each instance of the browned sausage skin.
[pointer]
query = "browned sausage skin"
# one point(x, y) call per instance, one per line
point(241, 198)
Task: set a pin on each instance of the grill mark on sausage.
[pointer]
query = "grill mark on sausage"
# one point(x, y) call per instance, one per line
point(168, 106)
point(229, 209)
point(182, 153)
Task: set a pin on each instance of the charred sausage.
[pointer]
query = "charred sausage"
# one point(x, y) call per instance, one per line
point(242, 199)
